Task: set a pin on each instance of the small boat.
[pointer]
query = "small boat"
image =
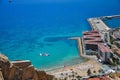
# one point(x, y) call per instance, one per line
point(44, 54)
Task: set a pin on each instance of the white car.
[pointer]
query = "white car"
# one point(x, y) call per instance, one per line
point(100, 60)
point(110, 71)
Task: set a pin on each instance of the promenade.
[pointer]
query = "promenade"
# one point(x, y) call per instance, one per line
point(98, 24)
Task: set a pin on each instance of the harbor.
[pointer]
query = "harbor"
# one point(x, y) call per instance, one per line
point(98, 24)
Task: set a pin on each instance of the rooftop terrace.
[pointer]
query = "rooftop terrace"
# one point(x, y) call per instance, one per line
point(104, 48)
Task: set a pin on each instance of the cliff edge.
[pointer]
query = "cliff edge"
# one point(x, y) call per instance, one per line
point(20, 70)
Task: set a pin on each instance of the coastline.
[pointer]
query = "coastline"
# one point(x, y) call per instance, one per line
point(91, 65)
point(80, 69)
point(61, 67)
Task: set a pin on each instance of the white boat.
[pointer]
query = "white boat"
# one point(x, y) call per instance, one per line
point(44, 54)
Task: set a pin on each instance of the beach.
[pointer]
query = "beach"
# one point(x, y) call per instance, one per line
point(79, 69)
point(28, 28)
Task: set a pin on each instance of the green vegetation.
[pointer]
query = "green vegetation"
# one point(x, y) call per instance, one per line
point(94, 71)
point(100, 71)
point(78, 77)
point(111, 40)
point(113, 75)
point(115, 61)
point(89, 72)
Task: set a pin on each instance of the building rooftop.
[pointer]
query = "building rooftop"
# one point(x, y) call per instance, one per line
point(92, 42)
point(116, 33)
point(100, 78)
point(91, 33)
point(118, 52)
point(92, 37)
point(104, 48)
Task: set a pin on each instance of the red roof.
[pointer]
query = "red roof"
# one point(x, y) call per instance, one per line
point(90, 33)
point(92, 42)
point(100, 78)
point(93, 31)
point(104, 48)
point(92, 37)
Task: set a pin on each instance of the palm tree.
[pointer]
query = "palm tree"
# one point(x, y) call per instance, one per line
point(65, 78)
point(73, 76)
point(69, 76)
point(75, 73)
point(78, 77)
point(62, 75)
point(89, 72)
point(94, 71)
point(66, 74)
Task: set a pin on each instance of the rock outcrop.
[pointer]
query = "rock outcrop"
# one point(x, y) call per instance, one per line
point(20, 70)
point(5, 66)
point(43, 76)
point(1, 76)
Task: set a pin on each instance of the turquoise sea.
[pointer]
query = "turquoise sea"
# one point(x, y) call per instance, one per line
point(31, 27)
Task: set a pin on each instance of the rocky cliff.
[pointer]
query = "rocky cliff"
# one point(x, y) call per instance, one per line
point(20, 70)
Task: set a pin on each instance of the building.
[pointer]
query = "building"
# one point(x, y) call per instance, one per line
point(107, 37)
point(93, 44)
point(116, 50)
point(99, 78)
point(104, 52)
point(91, 40)
point(115, 33)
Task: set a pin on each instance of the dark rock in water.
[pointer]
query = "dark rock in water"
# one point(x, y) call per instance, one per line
point(54, 39)
point(49, 44)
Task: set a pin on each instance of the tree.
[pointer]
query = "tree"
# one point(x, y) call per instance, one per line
point(94, 71)
point(111, 40)
point(66, 74)
point(62, 75)
point(65, 78)
point(89, 72)
point(78, 77)
point(73, 75)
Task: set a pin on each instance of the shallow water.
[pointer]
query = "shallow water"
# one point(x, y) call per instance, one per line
point(31, 27)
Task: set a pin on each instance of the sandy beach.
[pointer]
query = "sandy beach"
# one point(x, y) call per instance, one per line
point(79, 69)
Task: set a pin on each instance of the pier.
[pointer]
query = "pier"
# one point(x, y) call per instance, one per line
point(110, 17)
point(98, 25)
point(80, 48)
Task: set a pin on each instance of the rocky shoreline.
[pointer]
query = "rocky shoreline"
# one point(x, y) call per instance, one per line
point(20, 70)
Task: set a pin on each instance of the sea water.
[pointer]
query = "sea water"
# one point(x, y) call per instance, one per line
point(31, 27)
point(113, 23)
